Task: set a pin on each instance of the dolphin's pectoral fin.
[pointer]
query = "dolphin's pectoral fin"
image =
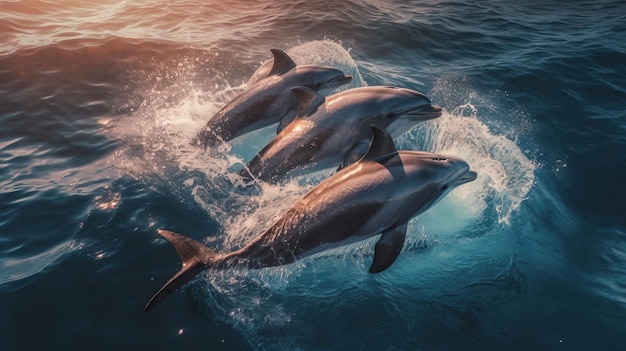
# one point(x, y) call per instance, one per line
point(282, 63)
point(355, 154)
point(194, 257)
point(388, 248)
point(308, 100)
point(285, 122)
point(381, 147)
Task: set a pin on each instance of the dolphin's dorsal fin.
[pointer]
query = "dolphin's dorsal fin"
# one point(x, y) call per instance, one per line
point(282, 63)
point(388, 248)
point(381, 145)
point(284, 122)
point(308, 101)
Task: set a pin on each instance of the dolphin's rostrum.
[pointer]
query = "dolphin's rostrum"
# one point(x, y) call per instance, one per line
point(379, 193)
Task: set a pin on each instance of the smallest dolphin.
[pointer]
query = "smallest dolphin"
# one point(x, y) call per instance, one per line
point(268, 100)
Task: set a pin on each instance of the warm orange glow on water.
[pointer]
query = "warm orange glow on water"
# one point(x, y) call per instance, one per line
point(39, 23)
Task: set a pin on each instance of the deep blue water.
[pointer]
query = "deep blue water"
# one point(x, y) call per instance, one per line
point(98, 104)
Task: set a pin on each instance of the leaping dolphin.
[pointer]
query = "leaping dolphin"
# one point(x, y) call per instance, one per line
point(335, 130)
point(378, 194)
point(268, 100)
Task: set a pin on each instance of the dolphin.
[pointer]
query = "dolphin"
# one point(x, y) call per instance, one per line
point(379, 193)
point(335, 130)
point(268, 100)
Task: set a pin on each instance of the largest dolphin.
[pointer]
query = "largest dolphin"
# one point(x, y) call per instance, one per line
point(268, 100)
point(378, 194)
point(335, 130)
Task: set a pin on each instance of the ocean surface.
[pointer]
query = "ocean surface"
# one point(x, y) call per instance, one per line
point(98, 104)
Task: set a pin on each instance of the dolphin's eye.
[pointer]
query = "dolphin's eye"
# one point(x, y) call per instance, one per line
point(390, 115)
point(444, 187)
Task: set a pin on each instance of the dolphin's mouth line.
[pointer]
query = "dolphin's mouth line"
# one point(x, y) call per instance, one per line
point(340, 80)
point(432, 111)
point(422, 110)
point(468, 177)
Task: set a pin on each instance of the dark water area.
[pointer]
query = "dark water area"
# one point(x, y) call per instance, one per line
point(98, 104)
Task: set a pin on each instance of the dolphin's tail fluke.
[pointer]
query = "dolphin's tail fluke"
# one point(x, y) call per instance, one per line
point(194, 257)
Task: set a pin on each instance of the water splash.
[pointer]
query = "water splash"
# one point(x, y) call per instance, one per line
point(505, 174)
point(156, 142)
